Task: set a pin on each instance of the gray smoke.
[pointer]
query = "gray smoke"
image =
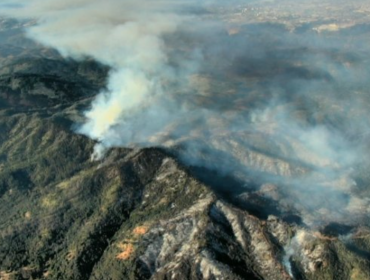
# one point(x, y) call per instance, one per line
point(265, 103)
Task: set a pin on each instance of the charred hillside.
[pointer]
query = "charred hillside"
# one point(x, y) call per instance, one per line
point(185, 141)
point(142, 214)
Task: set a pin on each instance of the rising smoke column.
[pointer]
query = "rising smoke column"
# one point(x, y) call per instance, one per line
point(232, 102)
point(125, 35)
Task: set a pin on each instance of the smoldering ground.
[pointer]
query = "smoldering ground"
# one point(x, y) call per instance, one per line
point(267, 105)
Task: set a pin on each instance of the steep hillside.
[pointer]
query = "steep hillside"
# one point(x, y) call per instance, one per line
point(250, 203)
point(140, 214)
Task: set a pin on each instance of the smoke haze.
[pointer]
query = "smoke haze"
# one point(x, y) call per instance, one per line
point(268, 103)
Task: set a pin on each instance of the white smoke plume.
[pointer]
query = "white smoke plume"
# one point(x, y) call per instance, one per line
point(255, 101)
point(125, 35)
